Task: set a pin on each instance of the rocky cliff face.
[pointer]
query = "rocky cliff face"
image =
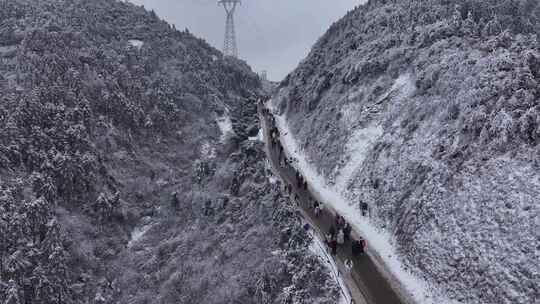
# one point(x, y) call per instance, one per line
point(126, 170)
point(430, 112)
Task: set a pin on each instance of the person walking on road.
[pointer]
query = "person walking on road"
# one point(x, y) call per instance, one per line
point(363, 244)
point(347, 231)
point(328, 238)
point(340, 237)
point(175, 202)
point(356, 248)
point(282, 162)
point(364, 207)
point(332, 232)
point(333, 246)
point(318, 209)
point(340, 221)
point(349, 264)
point(315, 206)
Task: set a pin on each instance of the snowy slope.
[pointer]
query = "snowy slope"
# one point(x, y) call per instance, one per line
point(379, 240)
point(428, 111)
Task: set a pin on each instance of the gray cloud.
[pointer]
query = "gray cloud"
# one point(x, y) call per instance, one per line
point(272, 35)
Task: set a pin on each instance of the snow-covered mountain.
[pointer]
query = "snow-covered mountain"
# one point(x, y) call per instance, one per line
point(127, 173)
point(429, 111)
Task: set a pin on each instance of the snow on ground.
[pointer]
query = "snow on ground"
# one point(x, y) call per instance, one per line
point(225, 126)
point(8, 50)
point(208, 151)
point(137, 234)
point(350, 113)
point(380, 241)
point(404, 85)
point(357, 147)
point(319, 249)
point(136, 43)
point(258, 137)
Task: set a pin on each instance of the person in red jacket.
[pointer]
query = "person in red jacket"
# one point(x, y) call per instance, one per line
point(333, 246)
point(363, 243)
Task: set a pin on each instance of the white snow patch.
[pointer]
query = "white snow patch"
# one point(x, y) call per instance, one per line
point(350, 113)
point(272, 180)
point(319, 249)
point(136, 43)
point(208, 151)
point(380, 241)
point(402, 88)
point(8, 50)
point(225, 126)
point(404, 84)
point(137, 234)
point(161, 182)
point(258, 137)
point(357, 147)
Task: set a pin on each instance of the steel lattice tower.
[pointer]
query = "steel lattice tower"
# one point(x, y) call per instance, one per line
point(229, 46)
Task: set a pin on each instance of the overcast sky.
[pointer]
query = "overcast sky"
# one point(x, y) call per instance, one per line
point(273, 35)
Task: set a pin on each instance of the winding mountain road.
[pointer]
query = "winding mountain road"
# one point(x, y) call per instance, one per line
point(365, 282)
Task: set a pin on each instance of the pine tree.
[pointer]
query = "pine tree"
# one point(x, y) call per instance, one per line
point(12, 295)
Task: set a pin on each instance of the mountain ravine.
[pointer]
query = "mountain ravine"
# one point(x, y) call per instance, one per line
point(126, 170)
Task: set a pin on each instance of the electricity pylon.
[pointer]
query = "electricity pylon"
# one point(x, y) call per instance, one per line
point(229, 46)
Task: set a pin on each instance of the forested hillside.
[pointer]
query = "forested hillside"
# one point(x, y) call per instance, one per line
point(126, 173)
point(429, 111)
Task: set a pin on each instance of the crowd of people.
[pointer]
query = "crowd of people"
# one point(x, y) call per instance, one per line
point(339, 234)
